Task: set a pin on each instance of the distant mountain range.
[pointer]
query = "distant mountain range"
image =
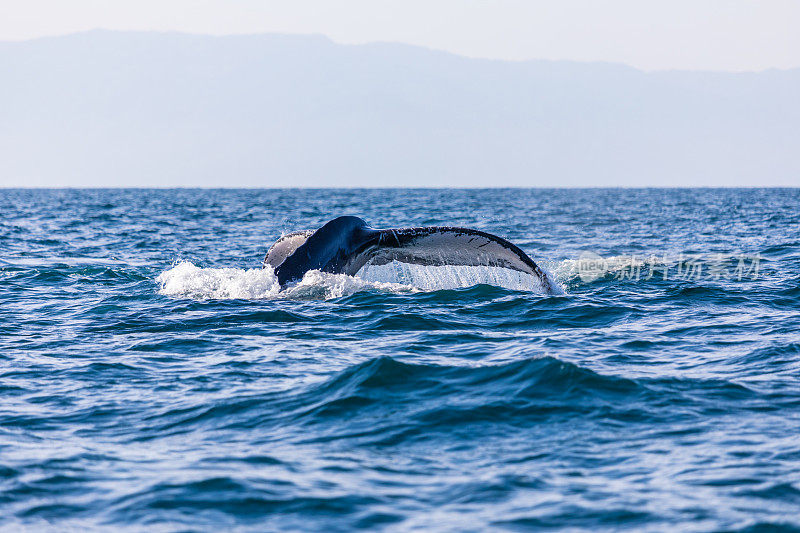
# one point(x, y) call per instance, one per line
point(108, 108)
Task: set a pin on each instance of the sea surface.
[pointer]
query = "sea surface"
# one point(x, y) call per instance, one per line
point(153, 377)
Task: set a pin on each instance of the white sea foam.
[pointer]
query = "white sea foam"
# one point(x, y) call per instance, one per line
point(316, 284)
point(590, 266)
point(185, 280)
point(190, 281)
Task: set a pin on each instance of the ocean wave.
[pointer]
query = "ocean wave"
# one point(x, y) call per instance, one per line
point(144, 394)
point(384, 400)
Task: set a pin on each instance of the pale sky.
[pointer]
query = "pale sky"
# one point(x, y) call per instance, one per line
point(730, 35)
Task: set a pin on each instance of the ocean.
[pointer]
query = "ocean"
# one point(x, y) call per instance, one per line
point(154, 377)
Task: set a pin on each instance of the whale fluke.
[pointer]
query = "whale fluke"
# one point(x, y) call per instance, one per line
point(285, 246)
point(345, 244)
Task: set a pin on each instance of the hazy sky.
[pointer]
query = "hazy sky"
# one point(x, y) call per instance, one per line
point(729, 35)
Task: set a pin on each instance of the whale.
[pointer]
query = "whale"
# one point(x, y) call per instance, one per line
point(347, 243)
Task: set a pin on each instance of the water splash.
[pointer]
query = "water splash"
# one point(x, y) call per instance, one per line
point(186, 280)
point(432, 278)
point(190, 281)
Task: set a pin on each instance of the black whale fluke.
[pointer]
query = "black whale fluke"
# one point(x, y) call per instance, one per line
point(347, 243)
point(328, 249)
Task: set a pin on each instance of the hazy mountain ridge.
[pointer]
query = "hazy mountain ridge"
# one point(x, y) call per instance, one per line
point(117, 108)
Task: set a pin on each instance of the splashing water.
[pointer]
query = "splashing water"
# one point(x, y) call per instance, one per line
point(433, 278)
point(187, 280)
point(190, 281)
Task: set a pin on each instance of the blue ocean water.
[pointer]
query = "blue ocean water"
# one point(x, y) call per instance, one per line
point(153, 377)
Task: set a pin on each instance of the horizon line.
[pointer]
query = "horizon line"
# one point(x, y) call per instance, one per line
point(352, 187)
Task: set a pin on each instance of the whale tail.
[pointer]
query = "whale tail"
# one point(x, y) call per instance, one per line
point(345, 244)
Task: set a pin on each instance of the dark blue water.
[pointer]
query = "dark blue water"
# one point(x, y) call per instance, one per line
point(152, 377)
